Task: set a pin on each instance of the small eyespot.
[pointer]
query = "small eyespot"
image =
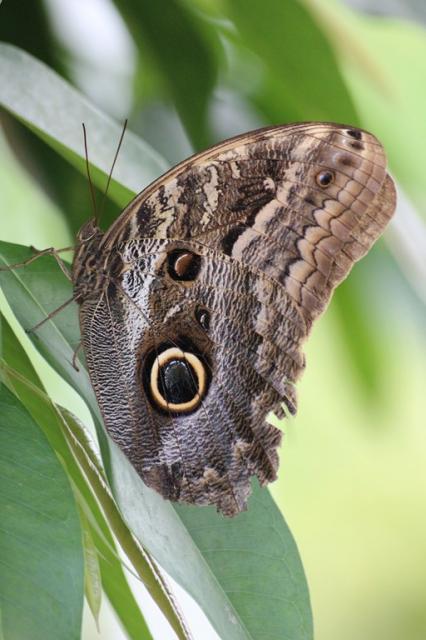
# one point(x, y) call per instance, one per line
point(355, 133)
point(346, 160)
point(325, 178)
point(202, 316)
point(177, 381)
point(183, 265)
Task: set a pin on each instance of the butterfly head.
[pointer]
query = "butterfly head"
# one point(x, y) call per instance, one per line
point(88, 231)
point(85, 258)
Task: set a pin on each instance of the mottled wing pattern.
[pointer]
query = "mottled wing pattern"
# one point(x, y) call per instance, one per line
point(272, 221)
point(259, 199)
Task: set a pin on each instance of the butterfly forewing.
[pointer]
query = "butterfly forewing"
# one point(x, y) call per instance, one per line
point(213, 277)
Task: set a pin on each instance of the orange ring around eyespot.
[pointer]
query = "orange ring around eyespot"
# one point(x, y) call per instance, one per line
point(174, 353)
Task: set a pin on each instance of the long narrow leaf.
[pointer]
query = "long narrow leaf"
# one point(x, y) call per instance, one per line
point(41, 557)
point(54, 110)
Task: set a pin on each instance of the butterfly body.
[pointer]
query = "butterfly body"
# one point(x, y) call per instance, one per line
point(195, 303)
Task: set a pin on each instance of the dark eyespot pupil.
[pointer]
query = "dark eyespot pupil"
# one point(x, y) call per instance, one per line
point(177, 382)
point(183, 265)
point(324, 178)
point(203, 317)
point(355, 133)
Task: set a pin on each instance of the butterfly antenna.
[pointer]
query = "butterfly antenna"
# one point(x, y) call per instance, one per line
point(91, 189)
point(112, 167)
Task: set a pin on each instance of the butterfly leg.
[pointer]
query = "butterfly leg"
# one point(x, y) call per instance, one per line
point(50, 251)
point(51, 315)
point(75, 354)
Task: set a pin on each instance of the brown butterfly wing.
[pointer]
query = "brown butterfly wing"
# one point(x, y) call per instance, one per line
point(275, 220)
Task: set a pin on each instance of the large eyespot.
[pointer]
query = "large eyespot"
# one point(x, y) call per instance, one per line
point(177, 381)
point(183, 265)
point(325, 178)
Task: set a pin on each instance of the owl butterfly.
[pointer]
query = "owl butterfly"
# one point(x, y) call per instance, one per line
point(195, 304)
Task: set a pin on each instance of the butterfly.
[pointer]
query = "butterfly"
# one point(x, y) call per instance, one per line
point(194, 305)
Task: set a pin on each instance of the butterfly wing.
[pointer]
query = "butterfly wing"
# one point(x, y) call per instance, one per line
point(216, 273)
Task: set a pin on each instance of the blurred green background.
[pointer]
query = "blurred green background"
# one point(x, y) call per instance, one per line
point(187, 73)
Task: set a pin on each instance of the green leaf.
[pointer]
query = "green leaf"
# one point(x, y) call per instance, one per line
point(299, 59)
point(35, 35)
point(81, 469)
point(254, 558)
point(54, 110)
point(92, 571)
point(145, 569)
point(238, 570)
point(41, 557)
point(184, 49)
